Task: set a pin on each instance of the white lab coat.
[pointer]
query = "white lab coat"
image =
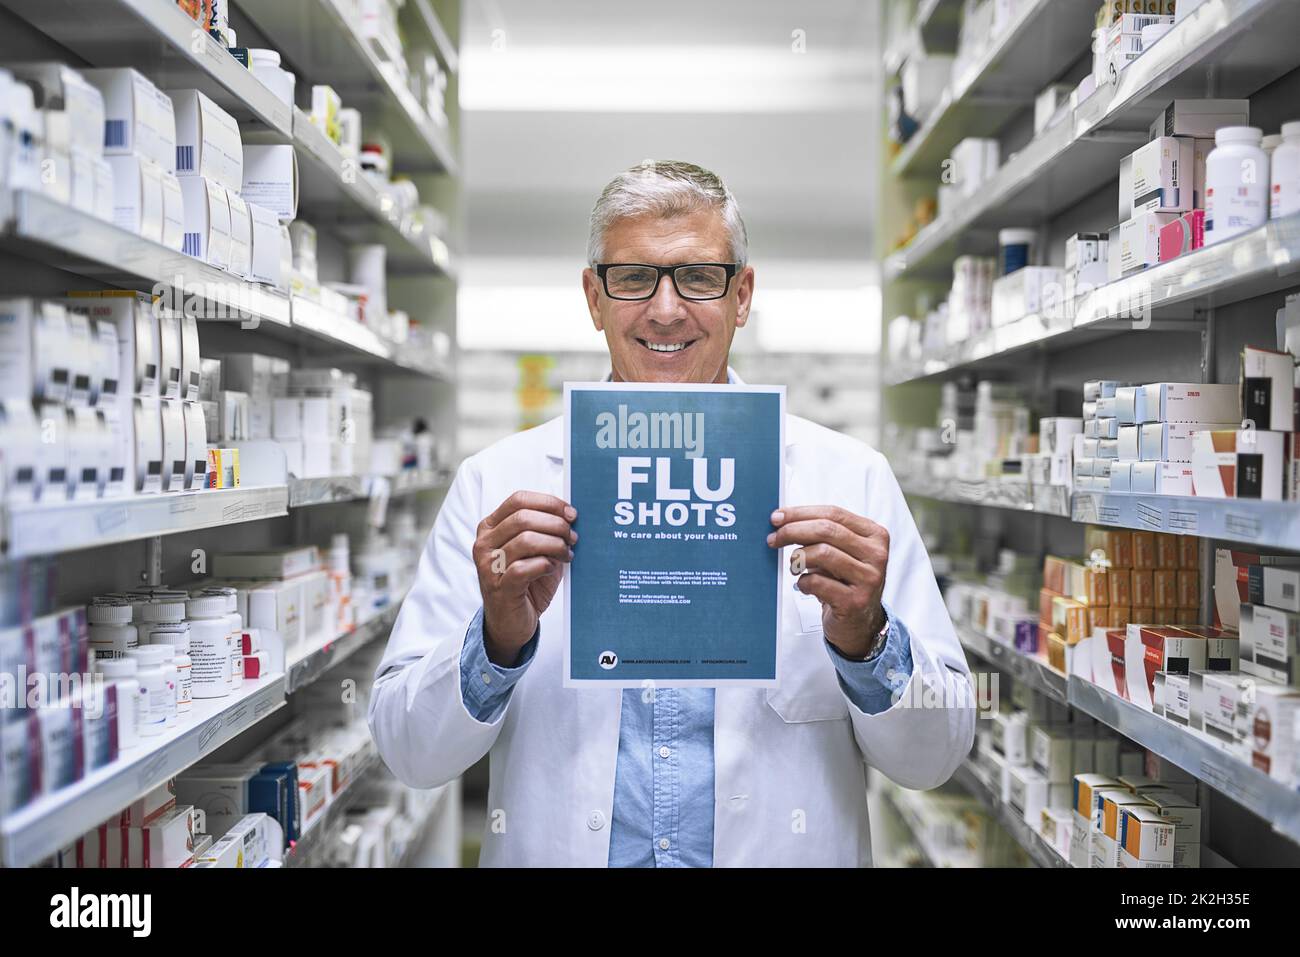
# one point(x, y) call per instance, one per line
point(789, 761)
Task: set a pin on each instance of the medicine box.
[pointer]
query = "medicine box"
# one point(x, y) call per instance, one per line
point(174, 450)
point(1262, 464)
point(1189, 402)
point(277, 606)
point(1199, 118)
point(267, 563)
point(1146, 838)
point(173, 212)
point(265, 238)
point(219, 791)
point(1139, 239)
point(1183, 235)
point(133, 122)
point(1172, 441)
point(270, 179)
point(138, 196)
point(1214, 463)
point(1160, 478)
point(1268, 390)
point(1270, 731)
point(207, 140)
point(1268, 643)
point(1152, 648)
point(1162, 176)
point(207, 220)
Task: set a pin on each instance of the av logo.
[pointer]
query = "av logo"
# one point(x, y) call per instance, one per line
point(608, 660)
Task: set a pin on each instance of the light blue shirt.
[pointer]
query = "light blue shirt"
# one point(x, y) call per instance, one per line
point(663, 781)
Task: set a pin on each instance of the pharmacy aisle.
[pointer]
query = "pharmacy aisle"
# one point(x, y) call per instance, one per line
point(227, 420)
point(1092, 323)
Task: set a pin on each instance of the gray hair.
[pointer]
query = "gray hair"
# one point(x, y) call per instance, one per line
point(665, 188)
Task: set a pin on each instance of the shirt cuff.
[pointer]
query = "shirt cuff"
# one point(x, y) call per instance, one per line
point(484, 685)
point(872, 684)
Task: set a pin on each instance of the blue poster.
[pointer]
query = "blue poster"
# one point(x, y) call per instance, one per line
point(672, 579)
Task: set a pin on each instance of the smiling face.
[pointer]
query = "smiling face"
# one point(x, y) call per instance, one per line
point(666, 338)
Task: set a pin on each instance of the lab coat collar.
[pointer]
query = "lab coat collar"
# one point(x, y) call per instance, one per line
point(554, 439)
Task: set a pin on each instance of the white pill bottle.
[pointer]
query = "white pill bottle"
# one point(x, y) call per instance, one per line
point(1284, 197)
point(155, 693)
point(131, 698)
point(210, 675)
point(111, 633)
point(1236, 183)
point(178, 639)
point(236, 625)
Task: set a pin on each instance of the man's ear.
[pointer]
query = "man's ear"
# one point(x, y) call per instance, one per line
point(591, 289)
point(744, 295)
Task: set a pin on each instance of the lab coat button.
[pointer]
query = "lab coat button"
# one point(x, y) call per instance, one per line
point(596, 820)
point(663, 844)
point(664, 751)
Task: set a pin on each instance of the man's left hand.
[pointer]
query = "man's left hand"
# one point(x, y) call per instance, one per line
point(842, 563)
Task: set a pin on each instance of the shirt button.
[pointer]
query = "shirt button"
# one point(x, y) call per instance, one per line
point(663, 844)
point(596, 820)
point(487, 678)
point(664, 751)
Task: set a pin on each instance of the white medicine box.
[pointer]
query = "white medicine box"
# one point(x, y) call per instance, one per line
point(33, 350)
point(138, 196)
point(207, 220)
point(207, 140)
point(1162, 176)
point(132, 119)
point(271, 179)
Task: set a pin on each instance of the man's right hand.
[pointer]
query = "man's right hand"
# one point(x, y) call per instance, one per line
point(520, 551)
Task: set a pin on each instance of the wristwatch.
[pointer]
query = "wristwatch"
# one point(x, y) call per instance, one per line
point(877, 645)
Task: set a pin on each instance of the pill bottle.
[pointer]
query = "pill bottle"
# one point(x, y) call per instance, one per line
point(1236, 183)
point(209, 646)
point(1015, 249)
point(236, 623)
point(154, 696)
point(1284, 196)
point(158, 615)
point(111, 633)
point(179, 640)
point(131, 698)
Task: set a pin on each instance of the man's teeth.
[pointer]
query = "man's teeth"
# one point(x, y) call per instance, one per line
point(665, 346)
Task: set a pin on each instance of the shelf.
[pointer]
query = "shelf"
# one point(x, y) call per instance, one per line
point(309, 844)
point(1257, 263)
point(158, 39)
point(44, 528)
point(446, 50)
point(1051, 174)
point(333, 334)
point(1039, 851)
point(321, 44)
point(1245, 521)
point(351, 206)
point(1027, 669)
point(1200, 757)
point(41, 229)
point(1006, 345)
point(54, 821)
point(307, 667)
point(1017, 496)
point(1247, 43)
point(304, 493)
point(1031, 53)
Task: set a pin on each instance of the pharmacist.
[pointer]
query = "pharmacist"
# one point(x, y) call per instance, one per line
point(686, 776)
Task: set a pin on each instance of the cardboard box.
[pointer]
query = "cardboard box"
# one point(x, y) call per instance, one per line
point(1268, 390)
point(1011, 737)
point(1262, 464)
point(1281, 587)
point(270, 179)
point(1160, 478)
point(277, 562)
point(1184, 235)
point(1219, 705)
point(223, 468)
point(207, 140)
point(1165, 589)
point(1146, 838)
point(1189, 402)
point(1166, 550)
point(147, 415)
point(1268, 643)
point(133, 123)
point(196, 447)
point(138, 196)
point(1105, 835)
point(1139, 240)
point(266, 241)
point(219, 791)
point(241, 235)
point(207, 221)
point(1129, 439)
point(1172, 441)
point(1270, 731)
point(1052, 751)
point(1199, 118)
point(166, 842)
point(1162, 176)
point(1129, 408)
point(1152, 648)
point(175, 454)
point(173, 212)
point(277, 606)
point(1214, 463)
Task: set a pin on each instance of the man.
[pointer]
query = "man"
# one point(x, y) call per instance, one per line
point(870, 670)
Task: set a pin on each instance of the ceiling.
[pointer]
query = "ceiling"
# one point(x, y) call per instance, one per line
point(778, 98)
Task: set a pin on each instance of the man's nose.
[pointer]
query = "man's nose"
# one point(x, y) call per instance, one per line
point(665, 306)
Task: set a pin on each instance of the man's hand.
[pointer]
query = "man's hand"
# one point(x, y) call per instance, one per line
point(520, 551)
point(842, 562)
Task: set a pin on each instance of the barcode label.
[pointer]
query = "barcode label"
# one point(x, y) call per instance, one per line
point(192, 246)
point(185, 159)
point(114, 134)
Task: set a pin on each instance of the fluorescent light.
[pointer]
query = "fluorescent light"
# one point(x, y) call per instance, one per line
point(679, 79)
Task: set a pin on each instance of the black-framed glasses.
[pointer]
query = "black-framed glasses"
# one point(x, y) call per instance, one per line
point(698, 282)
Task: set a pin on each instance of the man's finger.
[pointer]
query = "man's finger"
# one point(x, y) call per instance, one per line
point(529, 544)
point(827, 590)
point(529, 519)
point(831, 561)
point(841, 516)
point(816, 531)
point(521, 574)
point(538, 501)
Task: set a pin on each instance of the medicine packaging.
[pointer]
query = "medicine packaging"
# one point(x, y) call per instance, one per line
point(1268, 643)
point(1162, 176)
point(241, 235)
point(1172, 441)
point(1268, 391)
point(1146, 838)
point(134, 122)
point(207, 220)
point(1262, 464)
point(270, 179)
point(265, 245)
point(208, 143)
